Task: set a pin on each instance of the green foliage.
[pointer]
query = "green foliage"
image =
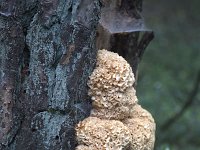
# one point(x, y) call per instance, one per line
point(168, 70)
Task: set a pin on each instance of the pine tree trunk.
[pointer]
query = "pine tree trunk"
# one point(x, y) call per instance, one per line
point(47, 52)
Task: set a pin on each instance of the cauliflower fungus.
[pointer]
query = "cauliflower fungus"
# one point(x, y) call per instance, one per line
point(116, 122)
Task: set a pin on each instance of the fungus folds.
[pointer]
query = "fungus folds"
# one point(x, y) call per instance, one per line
point(116, 121)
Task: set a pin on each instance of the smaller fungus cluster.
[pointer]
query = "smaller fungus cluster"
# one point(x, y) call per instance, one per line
point(116, 121)
point(98, 134)
point(111, 87)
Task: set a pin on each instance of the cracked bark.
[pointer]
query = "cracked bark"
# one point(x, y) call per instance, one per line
point(47, 52)
point(40, 96)
point(122, 30)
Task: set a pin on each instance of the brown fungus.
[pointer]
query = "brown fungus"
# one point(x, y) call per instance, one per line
point(100, 134)
point(116, 122)
point(114, 105)
point(111, 87)
point(142, 127)
point(112, 74)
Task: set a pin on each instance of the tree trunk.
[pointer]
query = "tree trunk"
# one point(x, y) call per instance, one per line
point(47, 52)
point(121, 29)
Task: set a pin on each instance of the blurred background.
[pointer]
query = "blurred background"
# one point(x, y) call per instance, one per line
point(169, 78)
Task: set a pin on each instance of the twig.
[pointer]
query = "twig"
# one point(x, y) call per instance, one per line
point(186, 105)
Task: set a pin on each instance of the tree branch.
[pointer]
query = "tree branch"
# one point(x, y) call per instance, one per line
point(186, 105)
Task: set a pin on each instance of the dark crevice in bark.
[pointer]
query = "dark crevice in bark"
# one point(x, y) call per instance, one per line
point(25, 64)
point(15, 31)
point(24, 73)
point(27, 17)
point(57, 111)
point(18, 130)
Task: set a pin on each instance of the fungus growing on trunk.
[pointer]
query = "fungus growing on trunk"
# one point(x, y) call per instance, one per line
point(116, 121)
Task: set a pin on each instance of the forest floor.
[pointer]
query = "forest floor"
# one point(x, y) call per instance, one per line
point(167, 73)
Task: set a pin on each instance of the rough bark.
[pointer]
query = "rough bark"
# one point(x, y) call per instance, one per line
point(122, 30)
point(47, 52)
